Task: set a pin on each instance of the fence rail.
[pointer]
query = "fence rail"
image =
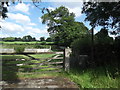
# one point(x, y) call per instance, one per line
point(7, 50)
point(25, 51)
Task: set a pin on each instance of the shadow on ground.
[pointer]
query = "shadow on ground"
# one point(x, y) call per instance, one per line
point(9, 71)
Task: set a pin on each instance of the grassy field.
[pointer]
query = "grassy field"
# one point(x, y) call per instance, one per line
point(37, 44)
point(10, 57)
point(26, 46)
point(20, 42)
point(38, 56)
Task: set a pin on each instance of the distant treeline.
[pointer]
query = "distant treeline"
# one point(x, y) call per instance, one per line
point(27, 38)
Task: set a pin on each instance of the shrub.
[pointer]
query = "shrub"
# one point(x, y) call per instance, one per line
point(56, 48)
point(82, 46)
point(19, 49)
point(43, 43)
point(38, 46)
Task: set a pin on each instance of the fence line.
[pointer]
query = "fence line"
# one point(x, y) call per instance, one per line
point(6, 50)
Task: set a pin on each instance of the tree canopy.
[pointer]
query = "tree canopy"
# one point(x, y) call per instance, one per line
point(102, 37)
point(28, 38)
point(48, 39)
point(3, 10)
point(42, 38)
point(106, 14)
point(62, 26)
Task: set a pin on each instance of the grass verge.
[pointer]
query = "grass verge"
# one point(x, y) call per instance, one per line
point(93, 78)
point(10, 57)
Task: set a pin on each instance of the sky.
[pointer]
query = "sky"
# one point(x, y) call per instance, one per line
point(25, 19)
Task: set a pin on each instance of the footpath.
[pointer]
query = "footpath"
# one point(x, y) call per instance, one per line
point(43, 82)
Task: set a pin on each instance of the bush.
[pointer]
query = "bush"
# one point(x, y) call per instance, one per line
point(43, 43)
point(19, 49)
point(82, 46)
point(56, 48)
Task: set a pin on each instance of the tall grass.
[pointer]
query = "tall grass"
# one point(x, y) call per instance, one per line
point(93, 78)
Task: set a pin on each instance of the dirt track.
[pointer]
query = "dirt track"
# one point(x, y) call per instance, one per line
point(45, 82)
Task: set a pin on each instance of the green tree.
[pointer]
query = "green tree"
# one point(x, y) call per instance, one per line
point(81, 46)
point(27, 38)
point(62, 26)
point(117, 48)
point(48, 39)
point(33, 39)
point(42, 39)
point(3, 10)
point(106, 14)
point(103, 47)
point(18, 39)
point(103, 38)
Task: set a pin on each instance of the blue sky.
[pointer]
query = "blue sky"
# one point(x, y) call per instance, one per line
point(24, 19)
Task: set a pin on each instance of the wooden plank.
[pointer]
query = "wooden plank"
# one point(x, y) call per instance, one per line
point(54, 62)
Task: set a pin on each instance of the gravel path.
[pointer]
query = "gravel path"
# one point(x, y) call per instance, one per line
point(45, 82)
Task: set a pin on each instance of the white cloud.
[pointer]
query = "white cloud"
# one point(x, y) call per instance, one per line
point(36, 30)
point(22, 7)
point(4, 35)
point(11, 27)
point(76, 11)
point(46, 27)
point(95, 31)
point(21, 25)
point(32, 24)
point(64, 0)
point(51, 8)
point(31, 33)
point(1, 20)
point(33, 30)
point(21, 19)
point(18, 32)
point(40, 20)
point(74, 6)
